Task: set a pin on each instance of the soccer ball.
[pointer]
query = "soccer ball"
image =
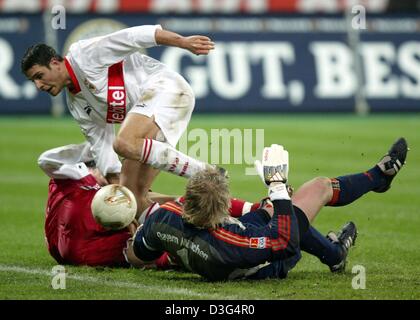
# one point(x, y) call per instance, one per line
point(114, 207)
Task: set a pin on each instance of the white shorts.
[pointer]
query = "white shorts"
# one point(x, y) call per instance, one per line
point(169, 98)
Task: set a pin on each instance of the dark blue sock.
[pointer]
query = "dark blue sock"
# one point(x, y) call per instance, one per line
point(347, 189)
point(318, 245)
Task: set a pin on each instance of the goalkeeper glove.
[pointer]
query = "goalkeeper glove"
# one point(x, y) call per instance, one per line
point(274, 170)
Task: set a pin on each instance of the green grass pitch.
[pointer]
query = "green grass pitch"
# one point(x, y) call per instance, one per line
point(389, 224)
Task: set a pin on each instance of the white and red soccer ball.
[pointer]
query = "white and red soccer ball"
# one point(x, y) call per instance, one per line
point(114, 207)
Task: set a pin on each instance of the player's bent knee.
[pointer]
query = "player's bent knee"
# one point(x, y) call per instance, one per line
point(122, 147)
point(323, 182)
point(118, 146)
point(323, 185)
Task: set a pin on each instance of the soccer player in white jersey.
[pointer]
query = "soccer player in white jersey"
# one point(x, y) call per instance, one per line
point(107, 81)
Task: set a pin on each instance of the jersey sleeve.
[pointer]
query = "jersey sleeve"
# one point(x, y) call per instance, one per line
point(107, 50)
point(143, 244)
point(66, 162)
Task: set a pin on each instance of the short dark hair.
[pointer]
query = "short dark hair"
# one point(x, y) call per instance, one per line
point(40, 54)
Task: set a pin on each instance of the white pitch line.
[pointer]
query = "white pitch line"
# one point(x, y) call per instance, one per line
point(118, 284)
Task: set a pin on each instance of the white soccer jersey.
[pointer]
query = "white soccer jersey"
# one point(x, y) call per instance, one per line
point(88, 62)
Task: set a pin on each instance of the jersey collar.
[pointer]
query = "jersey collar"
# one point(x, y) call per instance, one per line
point(73, 77)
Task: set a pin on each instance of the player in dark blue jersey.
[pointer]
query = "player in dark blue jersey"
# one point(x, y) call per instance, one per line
point(202, 238)
point(206, 240)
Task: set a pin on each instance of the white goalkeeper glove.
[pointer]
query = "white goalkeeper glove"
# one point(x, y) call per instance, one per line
point(274, 170)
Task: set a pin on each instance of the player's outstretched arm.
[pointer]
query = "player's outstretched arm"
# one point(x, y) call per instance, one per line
point(283, 229)
point(196, 44)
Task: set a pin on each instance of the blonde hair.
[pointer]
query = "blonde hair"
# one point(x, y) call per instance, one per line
point(207, 199)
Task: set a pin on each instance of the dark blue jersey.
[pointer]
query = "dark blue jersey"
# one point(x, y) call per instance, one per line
point(236, 248)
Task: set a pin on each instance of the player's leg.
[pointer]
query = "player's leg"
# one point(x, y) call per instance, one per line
point(133, 143)
point(340, 191)
point(172, 105)
point(276, 269)
point(349, 188)
point(136, 176)
point(145, 157)
point(134, 130)
point(332, 249)
point(312, 196)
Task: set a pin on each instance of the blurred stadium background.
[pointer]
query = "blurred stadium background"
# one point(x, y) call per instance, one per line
point(313, 74)
point(272, 55)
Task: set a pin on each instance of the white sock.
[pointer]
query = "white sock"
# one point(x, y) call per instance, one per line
point(278, 191)
point(161, 155)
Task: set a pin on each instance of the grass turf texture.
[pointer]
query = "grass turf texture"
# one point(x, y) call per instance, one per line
point(388, 224)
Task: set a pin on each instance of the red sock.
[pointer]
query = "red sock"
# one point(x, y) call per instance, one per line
point(239, 207)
